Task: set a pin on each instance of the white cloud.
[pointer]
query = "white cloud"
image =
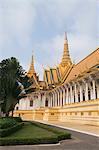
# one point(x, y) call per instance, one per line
point(22, 21)
point(17, 19)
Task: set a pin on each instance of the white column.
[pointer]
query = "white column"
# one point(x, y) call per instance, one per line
point(62, 91)
point(81, 93)
point(76, 94)
point(60, 97)
point(43, 99)
point(86, 91)
point(97, 89)
point(71, 95)
point(51, 100)
point(64, 95)
point(93, 91)
point(56, 98)
point(67, 96)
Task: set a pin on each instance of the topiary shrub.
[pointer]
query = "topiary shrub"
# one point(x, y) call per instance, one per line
point(10, 130)
point(7, 122)
point(17, 119)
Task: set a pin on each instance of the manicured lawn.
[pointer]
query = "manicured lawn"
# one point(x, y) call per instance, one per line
point(35, 133)
point(31, 131)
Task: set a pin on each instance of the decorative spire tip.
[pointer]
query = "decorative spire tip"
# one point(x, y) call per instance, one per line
point(65, 40)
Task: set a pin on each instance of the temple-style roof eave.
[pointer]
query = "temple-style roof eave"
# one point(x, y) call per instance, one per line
point(67, 73)
point(94, 51)
point(85, 75)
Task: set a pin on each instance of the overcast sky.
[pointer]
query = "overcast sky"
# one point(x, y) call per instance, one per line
point(39, 25)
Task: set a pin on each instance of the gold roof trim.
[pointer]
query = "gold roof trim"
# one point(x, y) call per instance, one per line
point(85, 64)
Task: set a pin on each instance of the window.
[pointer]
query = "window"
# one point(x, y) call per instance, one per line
point(17, 108)
point(82, 113)
point(52, 113)
point(96, 92)
point(83, 95)
point(89, 94)
point(46, 103)
point(74, 98)
point(31, 103)
point(78, 97)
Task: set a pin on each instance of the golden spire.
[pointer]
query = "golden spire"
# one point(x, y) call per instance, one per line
point(66, 57)
point(31, 69)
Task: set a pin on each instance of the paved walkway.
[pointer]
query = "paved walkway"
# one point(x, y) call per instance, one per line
point(83, 128)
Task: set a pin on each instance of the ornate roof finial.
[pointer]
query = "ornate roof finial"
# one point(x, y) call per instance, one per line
point(66, 57)
point(65, 39)
point(31, 69)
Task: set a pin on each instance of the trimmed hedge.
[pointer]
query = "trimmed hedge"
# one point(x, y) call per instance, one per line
point(17, 119)
point(10, 130)
point(6, 122)
point(61, 133)
point(28, 141)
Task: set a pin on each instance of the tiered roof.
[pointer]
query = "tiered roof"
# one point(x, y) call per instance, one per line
point(65, 72)
point(54, 76)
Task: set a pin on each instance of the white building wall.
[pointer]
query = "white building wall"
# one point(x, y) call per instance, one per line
point(68, 95)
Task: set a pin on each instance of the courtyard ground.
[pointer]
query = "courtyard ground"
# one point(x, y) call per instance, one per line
point(79, 141)
point(83, 128)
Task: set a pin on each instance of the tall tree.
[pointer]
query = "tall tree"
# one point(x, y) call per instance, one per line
point(13, 82)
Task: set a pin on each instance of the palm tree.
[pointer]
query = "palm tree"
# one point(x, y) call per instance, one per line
point(11, 79)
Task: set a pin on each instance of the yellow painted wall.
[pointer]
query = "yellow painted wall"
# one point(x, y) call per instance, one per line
point(86, 112)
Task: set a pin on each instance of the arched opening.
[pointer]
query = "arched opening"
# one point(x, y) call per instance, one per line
point(89, 94)
point(96, 92)
point(17, 108)
point(31, 103)
point(83, 95)
point(78, 96)
point(46, 103)
point(74, 98)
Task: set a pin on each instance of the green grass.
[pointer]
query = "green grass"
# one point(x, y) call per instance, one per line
point(31, 131)
point(35, 133)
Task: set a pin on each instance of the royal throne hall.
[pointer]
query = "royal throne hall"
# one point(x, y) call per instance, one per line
point(68, 93)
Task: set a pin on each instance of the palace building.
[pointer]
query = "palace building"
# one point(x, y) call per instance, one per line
point(68, 92)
